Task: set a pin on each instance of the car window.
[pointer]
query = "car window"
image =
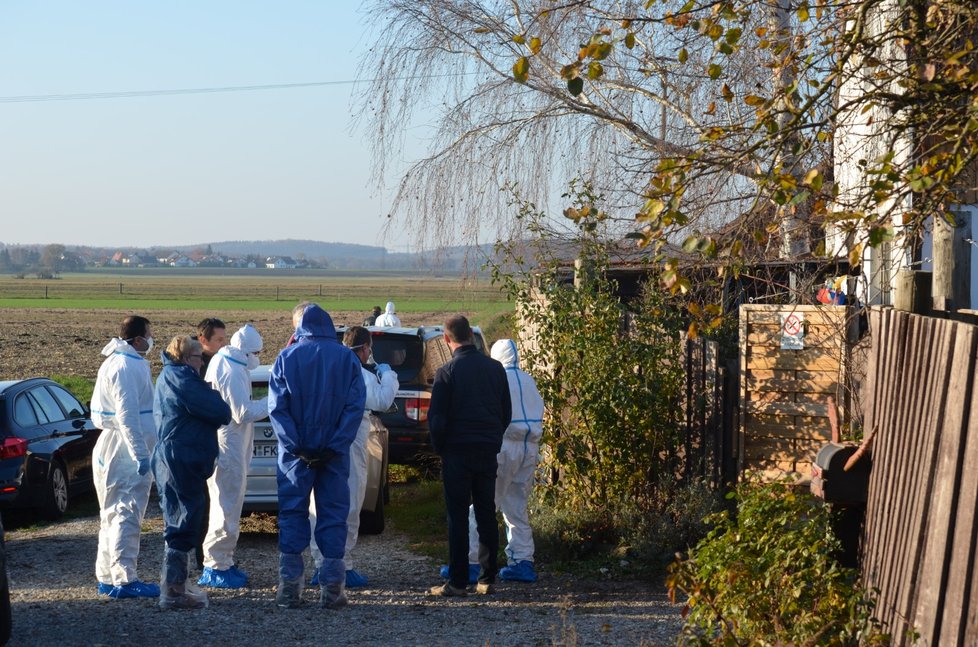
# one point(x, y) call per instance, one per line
point(68, 402)
point(24, 411)
point(404, 354)
point(259, 390)
point(46, 406)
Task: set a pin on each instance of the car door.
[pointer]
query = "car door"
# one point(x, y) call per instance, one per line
point(64, 436)
point(77, 450)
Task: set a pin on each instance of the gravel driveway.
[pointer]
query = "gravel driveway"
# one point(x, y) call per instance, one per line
point(52, 586)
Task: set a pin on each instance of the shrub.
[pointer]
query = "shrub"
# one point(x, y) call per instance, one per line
point(767, 577)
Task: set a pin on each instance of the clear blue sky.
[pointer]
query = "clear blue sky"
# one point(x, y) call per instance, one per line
point(167, 170)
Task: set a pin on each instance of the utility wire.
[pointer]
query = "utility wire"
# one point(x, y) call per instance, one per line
point(33, 98)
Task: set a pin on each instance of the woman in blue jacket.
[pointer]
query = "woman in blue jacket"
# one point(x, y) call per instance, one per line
point(188, 412)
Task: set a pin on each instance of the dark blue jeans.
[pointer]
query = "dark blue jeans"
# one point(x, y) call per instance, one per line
point(469, 476)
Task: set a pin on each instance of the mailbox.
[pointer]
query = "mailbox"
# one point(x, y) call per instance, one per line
point(832, 483)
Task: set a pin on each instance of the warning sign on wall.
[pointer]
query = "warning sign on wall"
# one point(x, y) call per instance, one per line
point(792, 331)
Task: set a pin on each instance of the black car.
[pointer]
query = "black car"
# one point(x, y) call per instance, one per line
point(415, 354)
point(46, 442)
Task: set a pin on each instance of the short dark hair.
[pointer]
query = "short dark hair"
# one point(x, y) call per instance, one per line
point(207, 326)
point(377, 310)
point(133, 326)
point(356, 336)
point(458, 330)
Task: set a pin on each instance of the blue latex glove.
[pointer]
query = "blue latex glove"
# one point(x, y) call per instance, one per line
point(383, 368)
point(142, 466)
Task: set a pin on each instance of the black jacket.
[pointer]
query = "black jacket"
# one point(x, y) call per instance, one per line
point(470, 404)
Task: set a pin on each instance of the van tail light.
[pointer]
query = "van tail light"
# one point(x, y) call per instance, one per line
point(417, 408)
point(13, 447)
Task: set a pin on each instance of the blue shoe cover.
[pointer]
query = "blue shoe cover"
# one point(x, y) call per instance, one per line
point(354, 580)
point(104, 589)
point(473, 573)
point(135, 589)
point(241, 575)
point(522, 571)
point(315, 578)
point(229, 578)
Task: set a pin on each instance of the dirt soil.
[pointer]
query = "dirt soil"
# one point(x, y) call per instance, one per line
point(40, 342)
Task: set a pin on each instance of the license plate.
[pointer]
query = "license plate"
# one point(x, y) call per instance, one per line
point(266, 450)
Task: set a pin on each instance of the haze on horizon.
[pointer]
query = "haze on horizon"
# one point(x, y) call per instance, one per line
point(183, 169)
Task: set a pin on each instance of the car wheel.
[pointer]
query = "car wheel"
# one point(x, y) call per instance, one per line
point(372, 521)
point(56, 496)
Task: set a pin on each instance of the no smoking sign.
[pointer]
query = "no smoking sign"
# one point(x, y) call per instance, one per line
point(792, 331)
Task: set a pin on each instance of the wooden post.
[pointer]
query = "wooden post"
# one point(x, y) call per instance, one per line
point(951, 287)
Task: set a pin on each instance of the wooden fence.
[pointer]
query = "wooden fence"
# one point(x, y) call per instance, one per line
point(783, 391)
point(919, 539)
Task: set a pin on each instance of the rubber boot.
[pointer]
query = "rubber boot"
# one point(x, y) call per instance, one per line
point(289, 594)
point(332, 584)
point(177, 592)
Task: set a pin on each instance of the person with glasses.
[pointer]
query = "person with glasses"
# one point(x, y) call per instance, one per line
point(188, 413)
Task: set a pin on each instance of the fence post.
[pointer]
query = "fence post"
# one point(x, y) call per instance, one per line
point(45, 292)
point(276, 293)
point(120, 288)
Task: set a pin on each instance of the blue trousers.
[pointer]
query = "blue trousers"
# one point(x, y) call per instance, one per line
point(469, 476)
point(295, 482)
point(181, 479)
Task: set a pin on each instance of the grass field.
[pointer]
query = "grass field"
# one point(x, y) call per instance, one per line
point(182, 290)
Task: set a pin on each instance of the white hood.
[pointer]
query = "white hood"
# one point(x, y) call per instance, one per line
point(504, 351)
point(390, 308)
point(116, 344)
point(247, 339)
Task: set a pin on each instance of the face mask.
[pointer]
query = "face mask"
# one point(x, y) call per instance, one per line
point(253, 361)
point(149, 345)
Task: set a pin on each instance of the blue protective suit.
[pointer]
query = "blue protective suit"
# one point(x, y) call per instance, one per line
point(189, 413)
point(316, 398)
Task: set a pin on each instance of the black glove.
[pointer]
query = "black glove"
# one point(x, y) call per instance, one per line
point(315, 460)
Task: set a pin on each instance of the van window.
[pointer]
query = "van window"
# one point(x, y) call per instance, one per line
point(404, 354)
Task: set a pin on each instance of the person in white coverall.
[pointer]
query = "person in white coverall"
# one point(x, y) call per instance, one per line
point(517, 461)
point(122, 406)
point(381, 387)
point(388, 319)
point(229, 373)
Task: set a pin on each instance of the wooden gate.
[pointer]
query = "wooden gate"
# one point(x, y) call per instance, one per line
point(784, 415)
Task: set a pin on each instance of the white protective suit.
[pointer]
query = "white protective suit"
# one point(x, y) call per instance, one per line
point(517, 459)
point(380, 396)
point(229, 373)
point(122, 406)
point(388, 319)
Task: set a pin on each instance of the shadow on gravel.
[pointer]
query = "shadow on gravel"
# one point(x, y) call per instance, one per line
point(54, 601)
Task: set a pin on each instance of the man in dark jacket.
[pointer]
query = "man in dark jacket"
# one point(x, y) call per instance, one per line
point(470, 409)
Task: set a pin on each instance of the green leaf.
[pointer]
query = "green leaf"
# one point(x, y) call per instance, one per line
point(595, 70)
point(521, 69)
point(714, 71)
point(803, 12)
point(690, 244)
point(575, 86)
point(683, 55)
point(519, 38)
point(535, 45)
point(630, 40)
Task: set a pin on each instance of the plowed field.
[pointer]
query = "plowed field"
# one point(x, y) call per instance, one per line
point(41, 341)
